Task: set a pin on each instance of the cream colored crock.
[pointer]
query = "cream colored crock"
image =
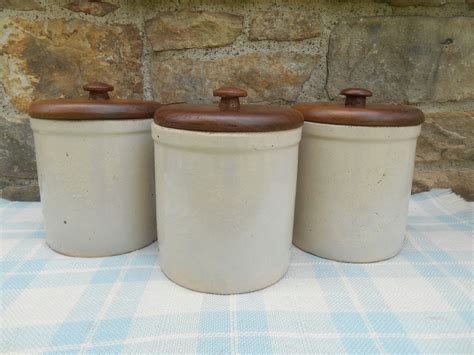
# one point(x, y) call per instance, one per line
point(96, 178)
point(354, 185)
point(225, 202)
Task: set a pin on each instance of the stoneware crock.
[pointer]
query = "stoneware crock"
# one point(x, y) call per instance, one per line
point(225, 183)
point(95, 171)
point(354, 179)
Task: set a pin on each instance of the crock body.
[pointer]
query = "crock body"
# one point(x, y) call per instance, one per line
point(225, 207)
point(96, 181)
point(354, 185)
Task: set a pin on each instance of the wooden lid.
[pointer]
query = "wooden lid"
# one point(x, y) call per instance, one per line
point(355, 112)
point(99, 106)
point(228, 115)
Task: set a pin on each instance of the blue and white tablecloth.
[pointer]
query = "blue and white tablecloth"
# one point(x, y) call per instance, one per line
point(419, 301)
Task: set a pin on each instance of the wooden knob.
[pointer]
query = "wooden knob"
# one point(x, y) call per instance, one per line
point(356, 97)
point(229, 96)
point(98, 91)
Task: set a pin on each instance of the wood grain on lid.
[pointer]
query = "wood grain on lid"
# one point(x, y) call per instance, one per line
point(98, 107)
point(228, 115)
point(355, 112)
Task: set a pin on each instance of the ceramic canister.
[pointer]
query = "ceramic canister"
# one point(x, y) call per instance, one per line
point(354, 179)
point(225, 184)
point(95, 171)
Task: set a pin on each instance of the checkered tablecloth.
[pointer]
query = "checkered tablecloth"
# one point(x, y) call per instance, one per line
point(419, 301)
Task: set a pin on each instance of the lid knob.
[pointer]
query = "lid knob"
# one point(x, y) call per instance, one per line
point(230, 97)
point(98, 91)
point(355, 96)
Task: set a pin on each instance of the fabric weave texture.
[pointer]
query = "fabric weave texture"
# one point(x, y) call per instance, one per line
point(417, 302)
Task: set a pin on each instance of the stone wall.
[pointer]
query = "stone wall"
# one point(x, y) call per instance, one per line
point(418, 52)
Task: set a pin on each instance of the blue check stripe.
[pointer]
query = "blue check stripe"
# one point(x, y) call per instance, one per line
point(418, 302)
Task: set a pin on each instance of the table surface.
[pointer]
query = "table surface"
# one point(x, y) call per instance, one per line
point(419, 301)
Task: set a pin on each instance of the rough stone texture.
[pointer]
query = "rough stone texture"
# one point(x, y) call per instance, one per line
point(404, 59)
point(267, 77)
point(96, 8)
point(16, 189)
point(460, 181)
point(193, 30)
point(181, 50)
point(284, 26)
point(55, 58)
point(17, 161)
point(20, 5)
point(403, 3)
point(445, 153)
point(447, 136)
